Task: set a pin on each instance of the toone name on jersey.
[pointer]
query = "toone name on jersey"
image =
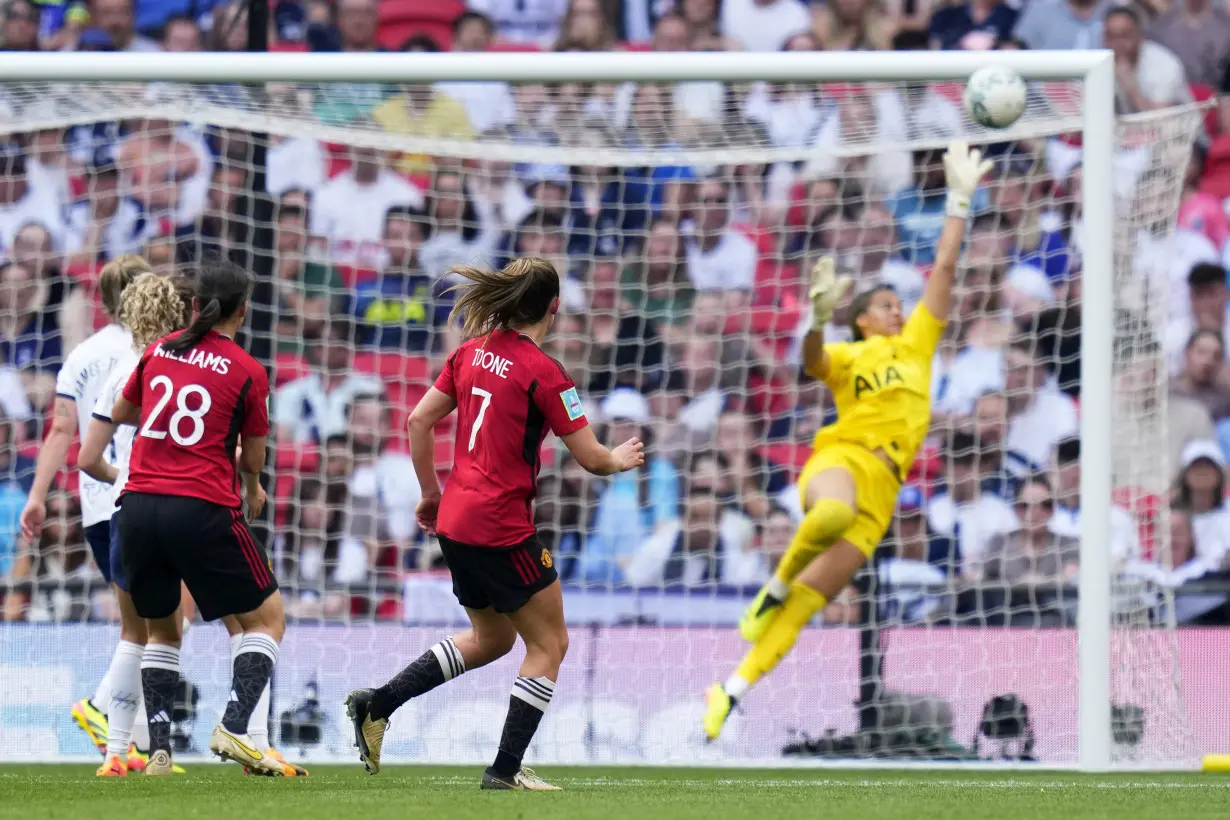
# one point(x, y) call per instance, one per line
point(489, 361)
point(198, 358)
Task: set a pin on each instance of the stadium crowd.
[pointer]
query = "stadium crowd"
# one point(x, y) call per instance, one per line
point(684, 295)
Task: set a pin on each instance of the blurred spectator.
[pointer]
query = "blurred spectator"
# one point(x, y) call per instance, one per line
point(653, 112)
point(763, 25)
point(228, 27)
point(535, 22)
point(60, 555)
point(1066, 469)
point(487, 104)
point(459, 231)
point(349, 209)
point(313, 407)
point(305, 288)
point(1198, 32)
point(404, 308)
point(775, 534)
point(564, 509)
point(1178, 565)
point(102, 224)
point(16, 478)
point(1203, 377)
point(33, 250)
point(1031, 561)
point(1201, 489)
point(852, 25)
point(183, 34)
point(113, 28)
point(312, 552)
point(541, 234)
point(975, 25)
point(871, 257)
point(1148, 76)
point(632, 505)
point(656, 284)
point(19, 30)
point(719, 256)
point(383, 489)
point(167, 166)
point(1039, 415)
point(586, 27)
point(22, 203)
point(29, 331)
point(423, 112)
point(1039, 241)
point(750, 480)
point(358, 22)
point(702, 18)
point(1062, 24)
point(1199, 210)
point(968, 509)
point(294, 164)
point(626, 348)
point(1207, 308)
point(913, 556)
point(703, 547)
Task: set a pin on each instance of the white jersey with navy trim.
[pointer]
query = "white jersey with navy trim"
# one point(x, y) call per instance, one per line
point(81, 380)
point(119, 452)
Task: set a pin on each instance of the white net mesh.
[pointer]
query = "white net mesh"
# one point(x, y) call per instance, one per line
point(683, 217)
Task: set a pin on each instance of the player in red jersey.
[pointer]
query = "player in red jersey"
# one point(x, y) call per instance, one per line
point(508, 394)
point(192, 397)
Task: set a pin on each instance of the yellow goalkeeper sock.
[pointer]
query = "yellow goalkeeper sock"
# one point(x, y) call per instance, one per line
point(826, 521)
point(777, 641)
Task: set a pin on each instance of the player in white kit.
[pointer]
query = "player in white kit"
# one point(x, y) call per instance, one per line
point(78, 385)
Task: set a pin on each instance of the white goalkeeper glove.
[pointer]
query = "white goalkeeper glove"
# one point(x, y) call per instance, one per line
point(826, 291)
point(964, 169)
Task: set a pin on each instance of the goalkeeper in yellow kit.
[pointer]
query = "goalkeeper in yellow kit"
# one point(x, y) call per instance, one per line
point(881, 384)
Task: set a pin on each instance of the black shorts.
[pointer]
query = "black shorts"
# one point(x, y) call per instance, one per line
point(502, 578)
point(165, 539)
point(98, 536)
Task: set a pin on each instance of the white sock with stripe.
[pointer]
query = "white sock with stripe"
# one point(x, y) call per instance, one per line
point(125, 678)
point(451, 662)
point(537, 692)
point(529, 701)
point(258, 726)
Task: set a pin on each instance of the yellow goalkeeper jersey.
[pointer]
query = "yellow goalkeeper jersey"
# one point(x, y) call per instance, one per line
point(882, 388)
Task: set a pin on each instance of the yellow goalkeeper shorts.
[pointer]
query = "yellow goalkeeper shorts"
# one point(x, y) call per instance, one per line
point(875, 490)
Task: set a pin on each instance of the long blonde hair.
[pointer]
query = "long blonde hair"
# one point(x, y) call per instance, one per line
point(518, 295)
point(153, 307)
point(115, 277)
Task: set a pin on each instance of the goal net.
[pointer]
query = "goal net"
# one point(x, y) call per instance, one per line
point(684, 218)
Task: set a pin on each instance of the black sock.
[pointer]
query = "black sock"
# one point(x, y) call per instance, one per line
point(253, 665)
point(437, 665)
point(530, 699)
point(159, 679)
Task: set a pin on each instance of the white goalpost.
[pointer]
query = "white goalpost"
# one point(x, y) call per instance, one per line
point(1120, 653)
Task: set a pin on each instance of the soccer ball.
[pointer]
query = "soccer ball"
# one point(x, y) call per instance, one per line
point(995, 96)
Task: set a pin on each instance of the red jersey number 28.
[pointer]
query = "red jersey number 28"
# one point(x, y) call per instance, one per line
point(482, 414)
point(187, 423)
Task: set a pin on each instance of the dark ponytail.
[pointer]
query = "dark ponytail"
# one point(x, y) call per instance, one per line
point(222, 289)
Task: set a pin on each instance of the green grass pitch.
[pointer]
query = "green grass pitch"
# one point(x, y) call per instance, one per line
point(347, 793)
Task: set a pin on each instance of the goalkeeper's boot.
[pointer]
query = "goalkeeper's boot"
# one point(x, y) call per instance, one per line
point(113, 766)
point(93, 722)
point(242, 749)
point(523, 781)
point(137, 760)
point(288, 769)
point(159, 764)
point(368, 731)
point(760, 614)
point(718, 706)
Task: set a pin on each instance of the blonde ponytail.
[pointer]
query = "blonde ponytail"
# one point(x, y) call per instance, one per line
point(518, 295)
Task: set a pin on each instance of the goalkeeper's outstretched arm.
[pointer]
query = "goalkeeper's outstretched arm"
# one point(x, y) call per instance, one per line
point(826, 291)
point(964, 169)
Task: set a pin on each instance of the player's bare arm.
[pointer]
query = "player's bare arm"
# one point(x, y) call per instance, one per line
point(827, 289)
point(964, 168)
point(90, 459)
point(51, 457)
point(251, 462)
point(125, 412)
point(420, 427)
point(597, 459)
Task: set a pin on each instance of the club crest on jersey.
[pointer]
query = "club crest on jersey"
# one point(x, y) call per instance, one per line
point(546, 558)
point(572, 404)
